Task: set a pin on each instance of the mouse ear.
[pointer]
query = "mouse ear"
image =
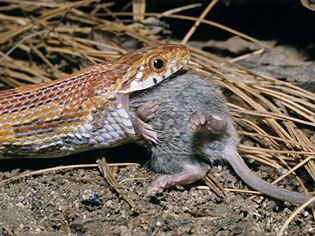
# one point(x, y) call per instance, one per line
point(210, 123)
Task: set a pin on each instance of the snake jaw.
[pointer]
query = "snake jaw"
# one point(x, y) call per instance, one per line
point(123, 99)
point(139, 84)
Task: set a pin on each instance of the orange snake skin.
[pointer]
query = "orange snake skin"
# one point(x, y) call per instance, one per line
point(86, 110)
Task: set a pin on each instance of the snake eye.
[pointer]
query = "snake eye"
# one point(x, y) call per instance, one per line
point(158, 63)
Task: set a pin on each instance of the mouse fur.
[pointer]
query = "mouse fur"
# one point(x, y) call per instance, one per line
point(186, 148)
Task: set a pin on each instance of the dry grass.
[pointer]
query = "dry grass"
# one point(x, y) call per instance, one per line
point(43, 40)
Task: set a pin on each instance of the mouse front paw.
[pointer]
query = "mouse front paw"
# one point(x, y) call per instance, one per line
point(147, 132)
point(147, 111)
point(144, 130)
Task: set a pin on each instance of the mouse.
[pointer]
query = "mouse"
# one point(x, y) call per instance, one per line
point(195, 129)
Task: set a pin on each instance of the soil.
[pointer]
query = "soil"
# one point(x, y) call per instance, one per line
point(80, 202)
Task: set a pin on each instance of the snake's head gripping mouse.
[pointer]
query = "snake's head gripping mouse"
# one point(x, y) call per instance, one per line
point(152, 65)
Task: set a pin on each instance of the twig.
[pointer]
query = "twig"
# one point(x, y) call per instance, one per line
point(197, 22)
point(58, 168)
point(105, 170)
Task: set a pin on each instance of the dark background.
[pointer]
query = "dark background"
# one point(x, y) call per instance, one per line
point(286, 21)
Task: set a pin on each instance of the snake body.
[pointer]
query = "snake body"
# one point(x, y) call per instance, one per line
point(86, 110)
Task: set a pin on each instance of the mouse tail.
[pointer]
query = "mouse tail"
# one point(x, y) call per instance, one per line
point(246, 174)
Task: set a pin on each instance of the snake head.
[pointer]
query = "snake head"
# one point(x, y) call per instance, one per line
point(149, 66)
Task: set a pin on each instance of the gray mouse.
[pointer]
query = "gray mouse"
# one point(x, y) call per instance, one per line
point(195, 129)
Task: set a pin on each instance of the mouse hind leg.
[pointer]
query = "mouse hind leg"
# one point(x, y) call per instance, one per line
point(190, 173)
point(181, 169)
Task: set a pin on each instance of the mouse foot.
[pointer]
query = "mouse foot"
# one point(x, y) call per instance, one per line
point(145, 130)
point(147, 111)
point(213, 124)
point(188, 175)
point(143, 114)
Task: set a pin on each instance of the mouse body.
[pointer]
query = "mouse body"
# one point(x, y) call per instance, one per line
point(195, 129)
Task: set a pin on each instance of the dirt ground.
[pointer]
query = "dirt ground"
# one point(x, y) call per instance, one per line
point(80, 202)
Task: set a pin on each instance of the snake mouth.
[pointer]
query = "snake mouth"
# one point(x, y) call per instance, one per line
point(139, 84)
point(123, 99)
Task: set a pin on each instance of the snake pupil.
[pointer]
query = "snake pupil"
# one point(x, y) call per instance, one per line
point(158, 63)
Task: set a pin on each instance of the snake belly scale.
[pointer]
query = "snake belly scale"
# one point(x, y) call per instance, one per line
point(86, 110)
